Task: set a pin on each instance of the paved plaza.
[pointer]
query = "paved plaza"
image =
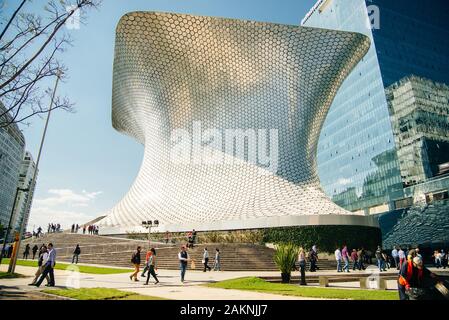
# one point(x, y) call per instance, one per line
point(169, 287)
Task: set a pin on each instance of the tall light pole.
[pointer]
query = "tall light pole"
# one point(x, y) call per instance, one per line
point(12, 263)
point(149, 224)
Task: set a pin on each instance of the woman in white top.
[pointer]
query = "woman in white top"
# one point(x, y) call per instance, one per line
point(41, 262)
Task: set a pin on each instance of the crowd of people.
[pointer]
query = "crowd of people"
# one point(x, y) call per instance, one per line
point(184, 258)
point(54, 227)
point(91, 229)
point(409, 262)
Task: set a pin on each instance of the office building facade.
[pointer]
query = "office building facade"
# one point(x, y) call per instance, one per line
point(359, 152)
point(23, 205)
point(12, 146)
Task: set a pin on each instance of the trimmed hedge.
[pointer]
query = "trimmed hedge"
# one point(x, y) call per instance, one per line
point(326, 237)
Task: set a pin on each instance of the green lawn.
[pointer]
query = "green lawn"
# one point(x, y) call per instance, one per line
point(6, 275)
point(67, 266)
point(259, 285)
point(98, 294)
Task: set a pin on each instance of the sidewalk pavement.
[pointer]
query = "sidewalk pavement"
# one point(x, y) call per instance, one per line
point(169, 287)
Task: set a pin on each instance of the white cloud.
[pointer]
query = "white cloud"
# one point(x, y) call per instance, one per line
point(67, 197)
point(63, 206)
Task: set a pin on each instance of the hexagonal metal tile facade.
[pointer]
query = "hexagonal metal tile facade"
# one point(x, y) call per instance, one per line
point(172, 70)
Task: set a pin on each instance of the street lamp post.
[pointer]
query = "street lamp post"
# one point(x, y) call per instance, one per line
point(150, 224)
point(10, 221)
point(12, 263)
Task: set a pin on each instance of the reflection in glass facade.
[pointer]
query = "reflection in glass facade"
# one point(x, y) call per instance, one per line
point(357, 159)
point(420, 115)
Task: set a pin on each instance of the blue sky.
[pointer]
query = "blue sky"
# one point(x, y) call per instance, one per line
point(87, 167)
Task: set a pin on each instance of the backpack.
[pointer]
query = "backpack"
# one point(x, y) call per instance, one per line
point(133, 258)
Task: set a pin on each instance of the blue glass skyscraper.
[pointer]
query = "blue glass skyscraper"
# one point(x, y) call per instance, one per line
point(357, 158)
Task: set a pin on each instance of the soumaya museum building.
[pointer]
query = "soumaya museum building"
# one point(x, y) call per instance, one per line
point(340, 121)
point(229, 112)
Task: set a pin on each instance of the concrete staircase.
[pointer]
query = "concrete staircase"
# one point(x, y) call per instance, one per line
point(118, 251)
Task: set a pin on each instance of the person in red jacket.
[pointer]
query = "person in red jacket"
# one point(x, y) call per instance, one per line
point(413, 274)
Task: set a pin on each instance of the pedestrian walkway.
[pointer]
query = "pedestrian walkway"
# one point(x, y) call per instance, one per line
point(169, 287)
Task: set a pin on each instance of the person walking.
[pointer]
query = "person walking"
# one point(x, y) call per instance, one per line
point(147, 258)
point(354, 259)
point(206, 260)
point(26, 252)
point(395, 256)
point(401, 256)
point(152, 266)
point(437, 258)
point(443, 259)
point(76, 254)
point(183, 258)
point(193, 237)
point(217, 261)
point(84, 229)
point(189, 240)
point(338, 259)
point(380, 259)
point(34, 250)
point(313, 258)
point(345, 257)
point(135, 260)
point(49, 267)
point(360, 257)
point(41, 262)
point(413, 274)
point(167, 237)
point(302, 266)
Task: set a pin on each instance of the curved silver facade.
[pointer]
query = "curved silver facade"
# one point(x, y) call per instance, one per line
point(176, 72)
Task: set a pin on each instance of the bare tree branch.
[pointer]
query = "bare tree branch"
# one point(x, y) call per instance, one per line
point(30, 46)
point(12, 18)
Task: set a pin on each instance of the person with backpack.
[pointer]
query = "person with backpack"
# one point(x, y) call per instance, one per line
point(34, 250)
point(76, 254)
point(135, 260)
point(151, 263)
